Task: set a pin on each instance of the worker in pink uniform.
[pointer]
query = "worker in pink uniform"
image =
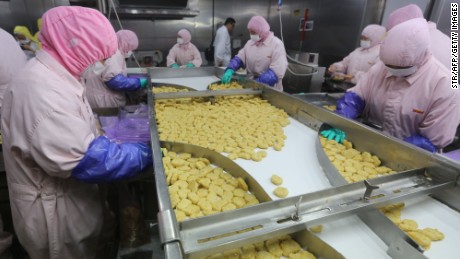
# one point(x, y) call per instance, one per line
point(408, 92)
point(12, 59)
point(440, 42)
point(184, 53)
point(263, 56)
point(108, 89)
point(363, 58)
point(53, 156)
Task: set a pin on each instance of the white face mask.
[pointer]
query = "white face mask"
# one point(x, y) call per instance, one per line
point(402, 72)
point(94, 70)
point(255, 37)
point(180, 40)
point(365, 44)
point(127, 55)
point(24, 42)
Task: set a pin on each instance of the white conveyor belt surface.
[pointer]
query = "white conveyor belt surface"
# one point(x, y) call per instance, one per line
point(298, 165)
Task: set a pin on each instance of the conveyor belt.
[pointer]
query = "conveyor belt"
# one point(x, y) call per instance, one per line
point(298, 156)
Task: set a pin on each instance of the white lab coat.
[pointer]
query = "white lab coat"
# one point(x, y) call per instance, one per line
point(222, 47)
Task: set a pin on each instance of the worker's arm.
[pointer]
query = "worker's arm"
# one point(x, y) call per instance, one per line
point(197, 61)
point(277, 68)
point(443, 117)
point(114, 78)
point(171, 58)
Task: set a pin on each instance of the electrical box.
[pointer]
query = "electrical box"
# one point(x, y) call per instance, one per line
point(308, 25)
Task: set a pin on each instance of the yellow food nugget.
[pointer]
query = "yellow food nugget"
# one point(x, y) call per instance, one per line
point(408, 225)
point(239, 202)
point(175, 199)
point(420, 238)
point(193, 197)
point(317, 229)
point(260, 246)
point(239, 192)
point(191, 209)
point(281, 192)
point(242, 184)
point(302, 255)
point(232, 252)
point(290, 246)
point(202, 192)
point(433, 234)
point(180, 215)
point(229, 206)
point(248, 252)
point(276, 180)
point(264, 255)
point(273, 246)
point(205, 182)
point(183, 193)
point(204, 205)
point(184, 203)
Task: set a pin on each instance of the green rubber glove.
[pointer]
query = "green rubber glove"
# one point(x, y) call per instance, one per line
point(334, 134)
point(190, 65)
point(144, 82)
point(227, 77)
point(175, 65)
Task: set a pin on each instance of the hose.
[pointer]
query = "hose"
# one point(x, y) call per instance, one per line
point(315, 70)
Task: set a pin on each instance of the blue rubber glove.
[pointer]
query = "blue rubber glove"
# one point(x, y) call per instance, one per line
point(190, 65)
point(107, 161)
point(268, 77)
point(143, 82)
point(335, 134)
point(235, 64)
point(123, 83)
point(350, 105)
point(227, 77)
point(421, 142)
point(175, 65)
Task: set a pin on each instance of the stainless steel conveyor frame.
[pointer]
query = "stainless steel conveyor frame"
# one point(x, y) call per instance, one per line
point(422, 173)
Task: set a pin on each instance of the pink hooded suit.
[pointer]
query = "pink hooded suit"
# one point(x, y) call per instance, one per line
point(440, 43)
point(47, 126)
point(422, 103)
point(182, 54)
point(97, 92)
point(358, 62)
point(267, 53)
point(12, 59)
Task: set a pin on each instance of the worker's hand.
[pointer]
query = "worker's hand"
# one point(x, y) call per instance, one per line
point(268, 77)
point(190, 65)
point(175, 65)
point(227, 77)
point(421, 142)
point(331, 69)
point(143, 82)
point(334, 134)
point(350, 105)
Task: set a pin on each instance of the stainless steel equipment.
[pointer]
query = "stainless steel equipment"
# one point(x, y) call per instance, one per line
point(422, 173)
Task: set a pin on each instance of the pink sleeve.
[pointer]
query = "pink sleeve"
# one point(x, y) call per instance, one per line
point(342, 66)
point(363, 88)
point(59, 142)
point(279, 61)
point(171, 59)
point(242, 53)
point(440, 124)
point(113, 67)
point(197, 61)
